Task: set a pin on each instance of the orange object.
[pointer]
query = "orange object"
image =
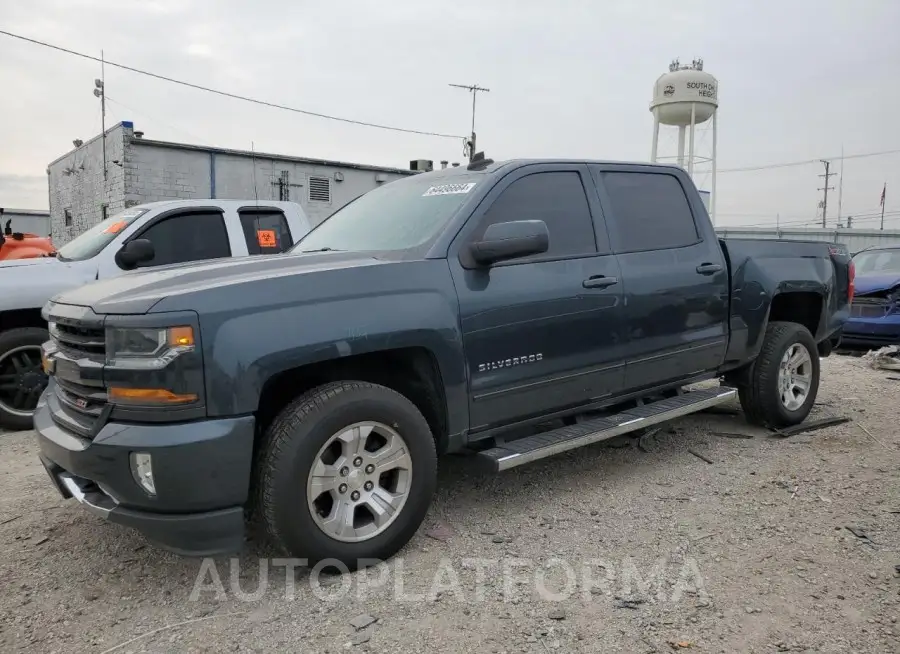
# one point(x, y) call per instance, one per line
point(149, 396)
point(181, 336)
point(25, 246)
point(116, 227)
point(266, 238)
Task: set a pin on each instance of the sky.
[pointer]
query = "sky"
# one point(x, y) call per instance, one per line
point(798, 80)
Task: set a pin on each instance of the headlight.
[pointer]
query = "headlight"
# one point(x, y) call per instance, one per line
point(147, 348)
point(144, 368)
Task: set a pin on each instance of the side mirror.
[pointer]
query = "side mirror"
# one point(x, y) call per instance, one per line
point(135, 252)
point(510, 240)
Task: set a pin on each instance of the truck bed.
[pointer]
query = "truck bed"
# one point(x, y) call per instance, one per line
point(760, 269)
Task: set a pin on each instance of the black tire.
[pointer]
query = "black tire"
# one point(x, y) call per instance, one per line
point(760, 398)
point(292, 444)
point(13, 418)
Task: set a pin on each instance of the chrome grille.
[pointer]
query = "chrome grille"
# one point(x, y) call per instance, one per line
point(86, 400)
point(79, 341)
point(80, 354)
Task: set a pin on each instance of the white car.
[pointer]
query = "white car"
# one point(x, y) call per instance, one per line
point(143, 236)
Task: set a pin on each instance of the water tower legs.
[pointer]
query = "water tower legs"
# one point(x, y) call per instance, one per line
point(655, 147)
point(715, 163)
point(681, 129)
point(691, 147)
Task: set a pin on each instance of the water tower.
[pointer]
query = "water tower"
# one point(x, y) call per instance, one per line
point(686, 97)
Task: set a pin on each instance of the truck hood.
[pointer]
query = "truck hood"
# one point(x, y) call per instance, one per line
point(876, 283)
point(29, 283)
point(35, 261)
point(137, 292)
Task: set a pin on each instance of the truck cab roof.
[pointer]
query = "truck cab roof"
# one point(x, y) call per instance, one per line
point(224, 204)
point(510, 164)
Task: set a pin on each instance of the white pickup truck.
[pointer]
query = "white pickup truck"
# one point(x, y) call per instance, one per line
point(147, 235)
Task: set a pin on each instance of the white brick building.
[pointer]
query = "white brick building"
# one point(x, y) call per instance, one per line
point(142, 170)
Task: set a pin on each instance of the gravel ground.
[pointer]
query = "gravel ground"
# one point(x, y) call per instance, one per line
point(605, 549)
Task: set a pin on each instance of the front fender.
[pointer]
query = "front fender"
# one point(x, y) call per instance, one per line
point(246, 350)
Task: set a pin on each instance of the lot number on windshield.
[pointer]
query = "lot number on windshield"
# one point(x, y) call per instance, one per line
point(449, 189)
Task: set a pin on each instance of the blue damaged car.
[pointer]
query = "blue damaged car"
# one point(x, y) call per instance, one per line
point(875, 313)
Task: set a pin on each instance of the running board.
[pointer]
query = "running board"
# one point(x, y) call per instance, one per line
point(539, 446)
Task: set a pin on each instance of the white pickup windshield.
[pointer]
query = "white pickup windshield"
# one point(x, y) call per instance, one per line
point(92, 242)
point(397, 216)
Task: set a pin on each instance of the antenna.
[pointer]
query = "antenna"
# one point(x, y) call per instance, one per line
point(253, 158)
point(473, 89)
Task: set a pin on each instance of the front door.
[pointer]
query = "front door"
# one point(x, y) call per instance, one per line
point(541, 333)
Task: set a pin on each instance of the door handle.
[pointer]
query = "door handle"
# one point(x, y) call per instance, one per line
point(599, 281)
point(709, 268)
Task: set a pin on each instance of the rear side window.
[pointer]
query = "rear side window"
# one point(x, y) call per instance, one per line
point(266, 232)
point(187, 237)
point(557, 198)
point(649, 212)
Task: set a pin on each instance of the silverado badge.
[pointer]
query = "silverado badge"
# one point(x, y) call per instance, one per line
point(509, 363)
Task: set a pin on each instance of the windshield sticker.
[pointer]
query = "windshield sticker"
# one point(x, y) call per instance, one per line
point(266, 238)
point(449, 189)
point(116, 227)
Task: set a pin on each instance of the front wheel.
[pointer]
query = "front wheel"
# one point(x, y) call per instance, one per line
point(347, 474)
point(784, 379)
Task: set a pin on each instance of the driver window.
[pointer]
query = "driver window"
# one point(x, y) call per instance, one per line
point(187, 237)
point(559, 200)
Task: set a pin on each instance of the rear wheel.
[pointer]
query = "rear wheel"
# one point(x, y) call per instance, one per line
point(22, 380)
point(347, 474)
point(784, 379)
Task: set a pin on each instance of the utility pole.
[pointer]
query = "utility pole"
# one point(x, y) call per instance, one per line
point(100, 92)
point(473, 89)
point(826, 188)
point(841, 185)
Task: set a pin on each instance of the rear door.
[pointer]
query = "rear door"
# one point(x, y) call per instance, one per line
point(675, 279)
point(541, 333)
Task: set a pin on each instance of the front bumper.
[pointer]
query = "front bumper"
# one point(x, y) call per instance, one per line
point(201, 473)
point(872, 332)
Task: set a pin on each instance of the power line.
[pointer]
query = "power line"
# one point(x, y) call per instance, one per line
point(797, 216)
point(226, 94)
point(806, 162)
point(153, 119)
point(857, 218)
point(350, 121)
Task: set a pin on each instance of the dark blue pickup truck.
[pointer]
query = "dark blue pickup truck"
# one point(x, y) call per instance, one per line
point(510, 310)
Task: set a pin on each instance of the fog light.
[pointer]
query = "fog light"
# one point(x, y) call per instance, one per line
point(142, 471)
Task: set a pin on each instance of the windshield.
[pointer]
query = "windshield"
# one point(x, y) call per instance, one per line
point(397, 216)
point(98, 237)
point(878, 262)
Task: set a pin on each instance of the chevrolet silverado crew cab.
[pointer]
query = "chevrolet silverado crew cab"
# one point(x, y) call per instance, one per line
point(509, 310)
point(144, 236)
